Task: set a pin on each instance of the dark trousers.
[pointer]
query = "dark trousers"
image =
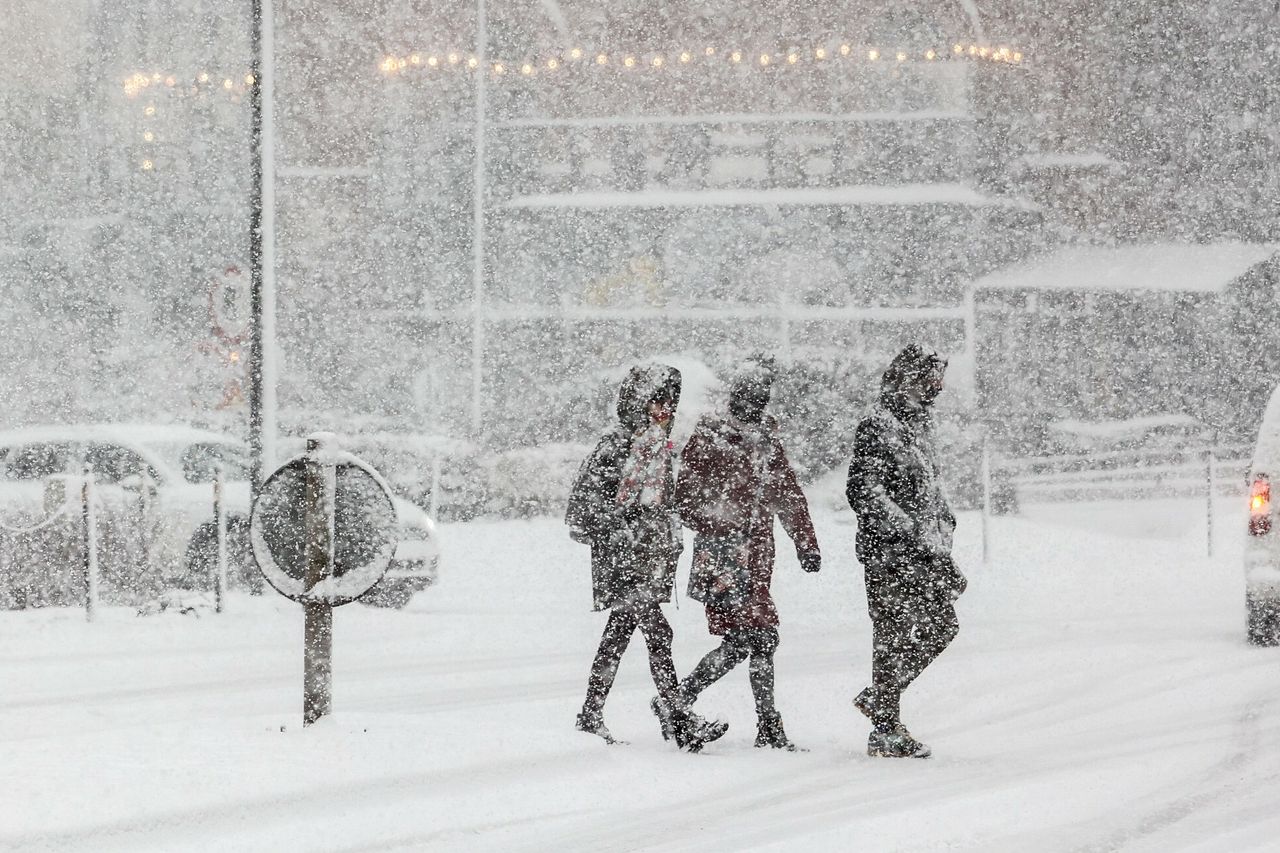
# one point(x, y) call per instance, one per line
point(909, 630)
point(623, 621)
point(759, 644)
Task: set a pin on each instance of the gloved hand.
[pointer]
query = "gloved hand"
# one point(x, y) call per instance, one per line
point(810, 561)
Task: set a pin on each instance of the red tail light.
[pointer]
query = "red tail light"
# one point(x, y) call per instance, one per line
point(1260, 506)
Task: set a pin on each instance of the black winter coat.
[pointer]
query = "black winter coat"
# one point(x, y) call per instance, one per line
point(895, 487)
point(633, 551)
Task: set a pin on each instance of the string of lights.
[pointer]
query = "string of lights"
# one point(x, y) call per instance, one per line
point(137, 83)
point(427, 62)
point(203, 81)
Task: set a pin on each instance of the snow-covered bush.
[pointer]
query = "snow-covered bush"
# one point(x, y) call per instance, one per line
point(818, 402)
point(533, 481)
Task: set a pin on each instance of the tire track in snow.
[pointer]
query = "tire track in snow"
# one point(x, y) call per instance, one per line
point(220, 822)
point(1220, 780)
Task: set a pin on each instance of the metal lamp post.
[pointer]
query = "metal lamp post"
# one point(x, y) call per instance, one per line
point(262, 374)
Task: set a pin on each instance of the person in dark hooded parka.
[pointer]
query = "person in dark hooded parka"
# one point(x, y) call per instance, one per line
point(623, 505)
point(905, 528)
point(734, 479)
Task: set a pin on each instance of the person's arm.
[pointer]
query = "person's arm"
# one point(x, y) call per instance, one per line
point(865, 488)
point(788, 501)
point(592, 514)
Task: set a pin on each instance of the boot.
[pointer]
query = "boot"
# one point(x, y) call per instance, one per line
point(593, 724)
point(690, 731)
point(865, 703)
point(894, 745)
point(769, 733)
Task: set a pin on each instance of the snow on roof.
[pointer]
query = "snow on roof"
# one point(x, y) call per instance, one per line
point(1185, 267)
point(122, 433)
point(1065, 161)
point(896, 194)
point(1129, 427)
point(1266, 455)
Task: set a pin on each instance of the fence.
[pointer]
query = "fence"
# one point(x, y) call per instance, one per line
point(1186, 472)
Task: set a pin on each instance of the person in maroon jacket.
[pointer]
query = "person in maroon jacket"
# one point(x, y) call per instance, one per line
point(734, 478)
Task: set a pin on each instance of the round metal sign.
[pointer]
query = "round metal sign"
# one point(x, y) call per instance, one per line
point(364, 530)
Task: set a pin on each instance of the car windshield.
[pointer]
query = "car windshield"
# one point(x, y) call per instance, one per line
point(199, 461)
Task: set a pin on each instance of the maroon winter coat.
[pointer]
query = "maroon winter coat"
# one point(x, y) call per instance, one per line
point(720, 481)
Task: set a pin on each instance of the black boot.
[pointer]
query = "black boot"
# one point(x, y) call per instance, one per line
point(690, 731)
point(865, 702)
point(769, 733)
point(593, 724)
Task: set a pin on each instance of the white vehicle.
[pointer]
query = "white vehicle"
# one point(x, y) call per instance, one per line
point(165, 475)
point(1262, 548)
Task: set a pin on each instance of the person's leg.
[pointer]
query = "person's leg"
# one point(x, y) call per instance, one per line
point(669, 706)
point(764, 642)
point(934, 626)
point(657, 637)
point(613, 642)
point(733, 650)
point(769, 730)
point(892, 646)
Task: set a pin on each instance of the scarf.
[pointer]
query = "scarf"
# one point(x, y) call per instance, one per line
point(644, 472)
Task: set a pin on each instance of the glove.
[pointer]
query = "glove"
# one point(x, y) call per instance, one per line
point(810, 561)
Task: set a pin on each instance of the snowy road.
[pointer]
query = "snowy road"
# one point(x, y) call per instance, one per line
point(1100, 696)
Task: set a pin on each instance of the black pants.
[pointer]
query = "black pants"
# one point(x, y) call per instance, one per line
point(909, 630)
point(623, 621)
point(759, 644)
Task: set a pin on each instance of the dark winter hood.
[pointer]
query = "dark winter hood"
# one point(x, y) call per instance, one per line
point(908, 368)
point(644, 384)
point(750, 389)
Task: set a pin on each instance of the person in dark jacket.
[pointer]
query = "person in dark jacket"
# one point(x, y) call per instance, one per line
point(622, 505)
point(734, 478)
point(905, 528)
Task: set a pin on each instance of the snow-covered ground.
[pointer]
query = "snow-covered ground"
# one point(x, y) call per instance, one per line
point(1100, 696)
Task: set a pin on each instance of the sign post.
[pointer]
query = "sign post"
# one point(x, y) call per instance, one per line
point(317, 677)
point(323, 530)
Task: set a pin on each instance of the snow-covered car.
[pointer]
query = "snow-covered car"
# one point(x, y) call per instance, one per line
point(166, 472)
point(1262, 545)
